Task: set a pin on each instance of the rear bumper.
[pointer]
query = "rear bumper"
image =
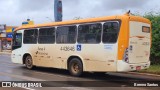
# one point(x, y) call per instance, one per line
point(124, 67)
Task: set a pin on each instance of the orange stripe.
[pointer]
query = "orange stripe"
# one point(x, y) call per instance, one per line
point(123, 39)
point(140, 37)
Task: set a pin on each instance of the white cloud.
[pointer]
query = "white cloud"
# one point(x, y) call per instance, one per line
point(13, 12)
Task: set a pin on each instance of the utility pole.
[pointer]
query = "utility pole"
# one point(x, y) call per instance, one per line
point(0, 45)
point(2, 34)
point(58, 10)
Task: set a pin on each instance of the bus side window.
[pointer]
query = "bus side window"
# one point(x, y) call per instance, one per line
point(110, 32)
point(66, 35)
point(46, 36)
point(89, 33)
point(30, 36)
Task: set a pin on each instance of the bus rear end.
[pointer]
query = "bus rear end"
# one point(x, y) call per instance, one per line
point(137, 54)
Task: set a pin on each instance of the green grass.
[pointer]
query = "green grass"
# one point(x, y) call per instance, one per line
point(154, 69)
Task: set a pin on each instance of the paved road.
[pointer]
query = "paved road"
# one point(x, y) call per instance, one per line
point(15, 72)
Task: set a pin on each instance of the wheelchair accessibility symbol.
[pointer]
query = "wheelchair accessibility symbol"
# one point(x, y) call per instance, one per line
point(79, 47)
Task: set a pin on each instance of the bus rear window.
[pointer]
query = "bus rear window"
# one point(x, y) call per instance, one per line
point(146, 29)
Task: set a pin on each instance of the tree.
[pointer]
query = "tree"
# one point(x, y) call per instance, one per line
point(155, 50)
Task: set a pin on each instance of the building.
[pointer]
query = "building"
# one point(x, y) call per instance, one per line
point(9, 32)
point(6, 34)
point(28, 22)
point(6, 37)
point(2, 34)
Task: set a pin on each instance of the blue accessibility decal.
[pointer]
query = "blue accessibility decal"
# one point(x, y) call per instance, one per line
point(79, 47)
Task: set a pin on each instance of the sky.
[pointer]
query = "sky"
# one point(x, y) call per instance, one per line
point(14, 12)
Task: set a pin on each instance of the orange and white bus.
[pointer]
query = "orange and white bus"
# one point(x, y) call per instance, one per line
point(106, 44)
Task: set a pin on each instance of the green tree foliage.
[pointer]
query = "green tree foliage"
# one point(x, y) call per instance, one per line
point(155, 50)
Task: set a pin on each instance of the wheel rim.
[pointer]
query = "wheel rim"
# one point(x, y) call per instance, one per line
point(29, 62)
point(75, 68)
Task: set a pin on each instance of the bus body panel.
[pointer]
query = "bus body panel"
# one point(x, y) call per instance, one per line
point(91, 59)
point(95, 61)
point(52, 56)
point(17, 56)
point(125, 67)
point(138, 48)
point(39, 55)
point(139, 43)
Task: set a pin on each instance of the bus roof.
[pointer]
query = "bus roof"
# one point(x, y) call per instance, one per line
point(121, 17)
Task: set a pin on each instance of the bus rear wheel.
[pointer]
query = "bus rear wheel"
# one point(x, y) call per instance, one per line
point(29, 62)
point(75, 67)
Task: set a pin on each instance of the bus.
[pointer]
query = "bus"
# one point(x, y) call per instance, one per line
point(119, 43)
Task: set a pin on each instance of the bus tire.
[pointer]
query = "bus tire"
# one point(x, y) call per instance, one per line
point(29, 62)
point(75, 67)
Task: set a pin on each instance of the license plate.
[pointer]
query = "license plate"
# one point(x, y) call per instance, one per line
point(138, 68)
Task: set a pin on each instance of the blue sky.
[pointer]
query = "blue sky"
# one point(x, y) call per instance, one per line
point(13, 12)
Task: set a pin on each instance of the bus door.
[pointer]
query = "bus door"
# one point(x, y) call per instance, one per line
point(139, 42)
point(16, 47)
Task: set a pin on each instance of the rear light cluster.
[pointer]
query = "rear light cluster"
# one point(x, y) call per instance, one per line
point(126, 58)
